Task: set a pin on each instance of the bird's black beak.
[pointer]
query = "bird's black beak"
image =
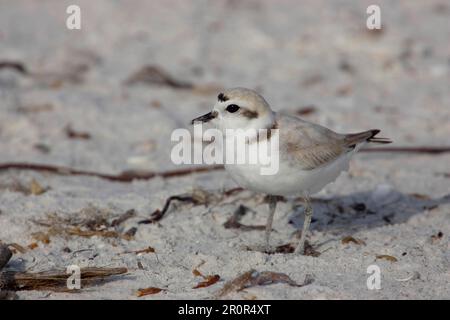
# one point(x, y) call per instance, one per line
point(206, 117)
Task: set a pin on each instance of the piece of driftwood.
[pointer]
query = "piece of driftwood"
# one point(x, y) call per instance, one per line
point(5, 255)
point(53, 280)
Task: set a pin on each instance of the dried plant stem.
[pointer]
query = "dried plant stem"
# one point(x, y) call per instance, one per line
point(53, 280)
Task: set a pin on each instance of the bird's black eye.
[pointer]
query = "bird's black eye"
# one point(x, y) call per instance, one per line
point(233, 108)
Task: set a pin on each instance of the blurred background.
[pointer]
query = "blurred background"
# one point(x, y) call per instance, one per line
point(108, 96)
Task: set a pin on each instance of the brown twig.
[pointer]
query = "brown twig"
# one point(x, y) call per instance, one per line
point(126, 176)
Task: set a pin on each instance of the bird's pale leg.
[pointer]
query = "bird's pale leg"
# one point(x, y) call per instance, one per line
point(272, 206)
point(308, 214)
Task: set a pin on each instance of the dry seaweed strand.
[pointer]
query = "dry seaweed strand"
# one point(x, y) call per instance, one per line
point(253, 278)
point(197, 197)
point(159, 214)
point(233, 221)
point(129, 176)
point(148, 291)
point(73, 134)
point(208, 280)
point(18, 66)
point(95, 223)
point(386, 257)
point(350, 239)
point(126, 176)
point(155, 75)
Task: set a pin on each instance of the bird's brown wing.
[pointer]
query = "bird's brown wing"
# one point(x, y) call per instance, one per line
point(312, 146)
point(313, 157)
point(308, 145)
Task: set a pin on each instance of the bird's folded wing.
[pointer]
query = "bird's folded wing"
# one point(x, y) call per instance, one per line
point(315, 156)
point(311, 146)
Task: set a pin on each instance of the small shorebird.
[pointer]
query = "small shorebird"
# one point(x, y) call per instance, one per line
point(310, 156)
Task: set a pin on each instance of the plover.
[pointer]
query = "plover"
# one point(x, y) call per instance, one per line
point(310, 156)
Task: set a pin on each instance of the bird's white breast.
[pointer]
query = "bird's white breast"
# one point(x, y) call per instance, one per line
point(290, 180)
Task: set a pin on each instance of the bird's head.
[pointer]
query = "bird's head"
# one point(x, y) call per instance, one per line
point(239, 108)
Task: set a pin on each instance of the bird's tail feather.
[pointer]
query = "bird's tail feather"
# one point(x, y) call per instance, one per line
point(369, 136)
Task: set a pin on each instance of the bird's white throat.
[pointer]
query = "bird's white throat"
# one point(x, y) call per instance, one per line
point(258, 148)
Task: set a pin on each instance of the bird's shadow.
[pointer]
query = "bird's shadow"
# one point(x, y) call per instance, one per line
point(364, 210)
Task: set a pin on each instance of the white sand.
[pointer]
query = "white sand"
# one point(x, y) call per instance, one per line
point(398, 82)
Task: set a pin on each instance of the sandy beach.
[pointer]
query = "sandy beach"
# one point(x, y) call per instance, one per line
point(105, 99)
